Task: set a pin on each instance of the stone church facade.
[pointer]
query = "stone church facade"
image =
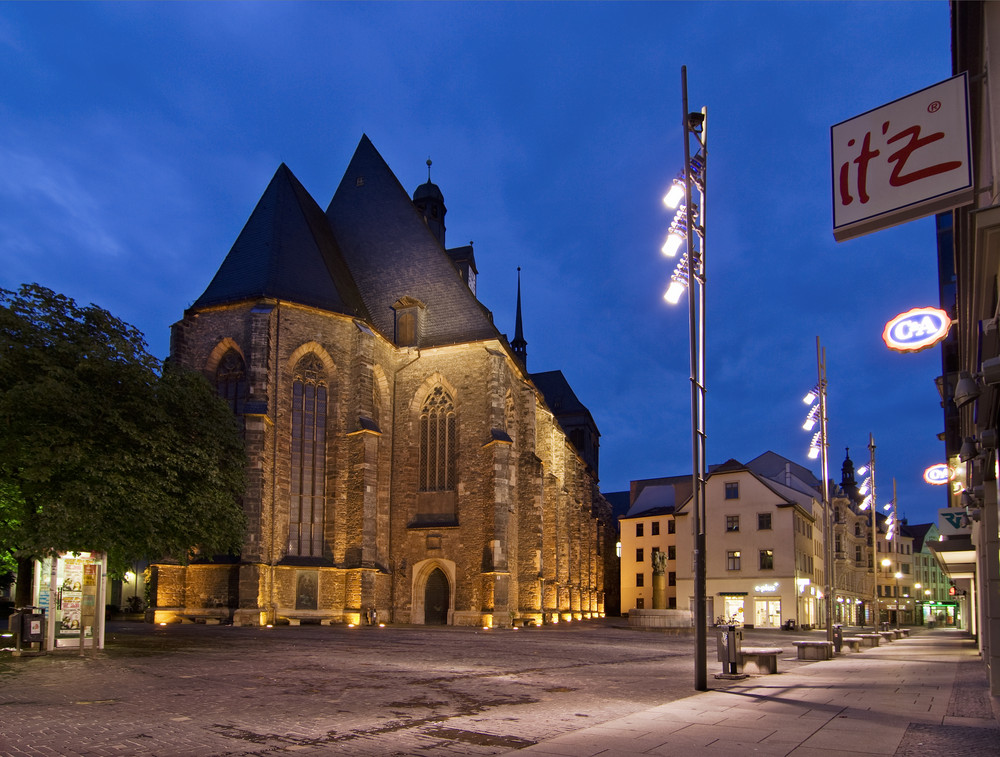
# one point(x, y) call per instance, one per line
point(401, 459)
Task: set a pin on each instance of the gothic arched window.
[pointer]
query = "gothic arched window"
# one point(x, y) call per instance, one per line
point(437, 442)
point(231, 380)
point(308, 468)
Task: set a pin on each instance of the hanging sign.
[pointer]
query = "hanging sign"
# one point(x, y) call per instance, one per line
point(916, 329)
point(938, 474)
point(904, 160)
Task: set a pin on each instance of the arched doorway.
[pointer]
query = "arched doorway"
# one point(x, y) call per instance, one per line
point(436, 596)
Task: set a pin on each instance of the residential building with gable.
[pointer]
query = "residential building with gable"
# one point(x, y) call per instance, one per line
point(764, 562)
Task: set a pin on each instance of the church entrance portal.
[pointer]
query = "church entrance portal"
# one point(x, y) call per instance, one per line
point(436, 599)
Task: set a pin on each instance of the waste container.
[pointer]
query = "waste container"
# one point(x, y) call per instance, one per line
point(32, 625)
point(28, 625)
point(728, 640)
point(838, 637)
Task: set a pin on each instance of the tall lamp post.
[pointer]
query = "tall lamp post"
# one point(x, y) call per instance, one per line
point(819, 448)
point(689, 225)
point(868, 489)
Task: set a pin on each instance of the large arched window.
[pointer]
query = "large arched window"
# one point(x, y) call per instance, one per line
point(231, 380)
point(437, 442)
point(308, 469)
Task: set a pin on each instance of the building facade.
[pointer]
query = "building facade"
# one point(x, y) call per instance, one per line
point(402, 461)
point(969, 267)
point(649, 555)
point(764, 562)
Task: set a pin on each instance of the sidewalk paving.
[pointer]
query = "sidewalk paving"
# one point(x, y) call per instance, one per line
point(923, 695)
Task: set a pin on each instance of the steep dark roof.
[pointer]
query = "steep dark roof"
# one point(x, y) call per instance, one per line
point(285, 251)
point(392, 254)
point(558, 394)
point(918, 532)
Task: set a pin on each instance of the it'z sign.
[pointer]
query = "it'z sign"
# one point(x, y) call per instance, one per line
point(904, 160)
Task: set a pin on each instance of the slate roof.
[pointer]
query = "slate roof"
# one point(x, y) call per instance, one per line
point(286, 251)
point(391, 254)
point(558, 394)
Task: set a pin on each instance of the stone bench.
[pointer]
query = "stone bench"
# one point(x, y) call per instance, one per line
point(208, 620)
point(759, 660)
point(905, 632)
point(887, 635)
point(854, 642)
point(870, 639)
point(814, 650)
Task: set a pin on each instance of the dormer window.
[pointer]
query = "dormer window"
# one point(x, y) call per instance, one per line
point(409, 320)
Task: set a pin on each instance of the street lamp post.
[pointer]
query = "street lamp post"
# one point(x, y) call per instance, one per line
point(689, 225)
point(819, 448)
point(887, 566)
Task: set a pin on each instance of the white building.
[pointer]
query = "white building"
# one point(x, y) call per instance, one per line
point(764, 544)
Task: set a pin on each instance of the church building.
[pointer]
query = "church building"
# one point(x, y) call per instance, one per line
point(402, 463)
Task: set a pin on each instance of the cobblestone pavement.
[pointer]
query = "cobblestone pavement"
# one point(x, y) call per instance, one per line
point(222, 690)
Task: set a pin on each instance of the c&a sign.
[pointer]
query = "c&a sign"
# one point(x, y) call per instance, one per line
point(916, 329)
point(904, 160)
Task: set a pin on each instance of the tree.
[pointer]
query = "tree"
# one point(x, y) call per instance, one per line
point(104, 449)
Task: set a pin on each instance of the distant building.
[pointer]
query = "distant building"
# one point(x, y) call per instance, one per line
point(647, 529)
point(402, 459)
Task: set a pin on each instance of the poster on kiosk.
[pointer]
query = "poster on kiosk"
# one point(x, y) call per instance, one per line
point(70, 589)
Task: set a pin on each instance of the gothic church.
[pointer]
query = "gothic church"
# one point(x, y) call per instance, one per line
point(402, 462)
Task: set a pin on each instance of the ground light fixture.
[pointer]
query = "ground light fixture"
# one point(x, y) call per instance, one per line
point(687, 230)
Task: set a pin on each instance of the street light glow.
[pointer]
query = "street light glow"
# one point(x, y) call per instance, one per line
point(674, 195)
point(674, 292)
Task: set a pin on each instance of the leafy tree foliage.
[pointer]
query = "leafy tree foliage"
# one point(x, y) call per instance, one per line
point(104, 449)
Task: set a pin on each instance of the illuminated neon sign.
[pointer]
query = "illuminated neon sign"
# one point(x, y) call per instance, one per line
point(916, 329)
point(938, 474)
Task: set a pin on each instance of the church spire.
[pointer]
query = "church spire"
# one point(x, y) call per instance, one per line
point(519, 346)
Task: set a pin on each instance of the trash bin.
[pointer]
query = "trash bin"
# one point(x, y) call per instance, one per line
point(32, 625)
point(28, 626)
point(728, 642)
point(838, 637)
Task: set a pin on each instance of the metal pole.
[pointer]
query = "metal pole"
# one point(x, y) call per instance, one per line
point(825, 463)
point(696, 326)
point(876, 619)
point(895, 549)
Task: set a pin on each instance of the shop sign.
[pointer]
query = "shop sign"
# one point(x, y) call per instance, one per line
point(953, 521)
point(938, 474)
point(766, 588)
point(916, 329)
point(904, 160)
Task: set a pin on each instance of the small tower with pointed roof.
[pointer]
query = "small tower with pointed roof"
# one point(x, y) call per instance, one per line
point(430, 202)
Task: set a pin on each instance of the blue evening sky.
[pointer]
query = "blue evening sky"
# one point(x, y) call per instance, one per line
point(136, 138)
